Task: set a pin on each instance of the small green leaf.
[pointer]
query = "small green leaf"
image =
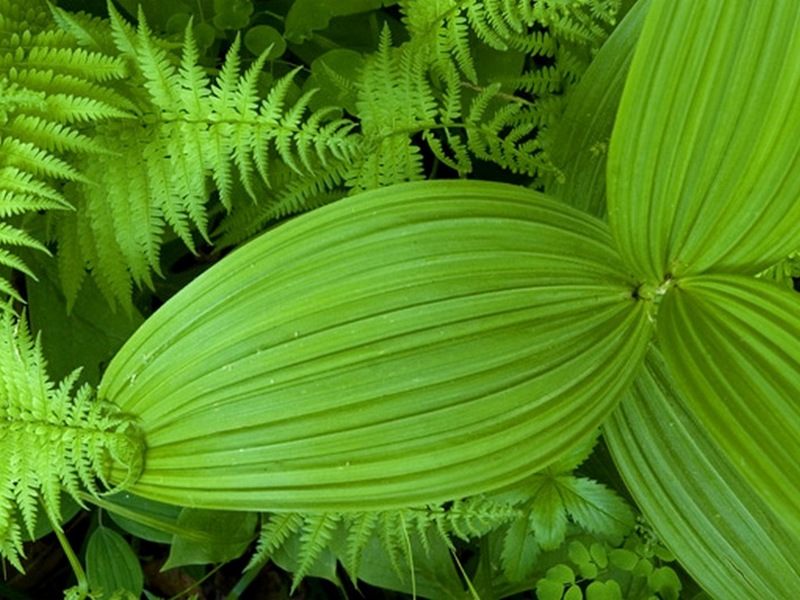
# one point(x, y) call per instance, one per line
point(604, 590)
point(561, 574)
point(111, 565)
point(548, 518)
point(259, 38)
point(226, 535)
point(596, 508)
point(666, 582)
point(232, 14)
point(624, 559)
point(599, 555)
point(520, 551)
point(307, 16)
point(574, 592)
point(578, 553)
point(549, 590)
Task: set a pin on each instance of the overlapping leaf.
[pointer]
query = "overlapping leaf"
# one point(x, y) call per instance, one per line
point(406, 346)
point(733, 344)
point(704, 164)
point(707, 514)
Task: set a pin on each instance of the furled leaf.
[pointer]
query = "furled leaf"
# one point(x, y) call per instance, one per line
point(732, 343)
point(406, 346)
point(704, 164)
point(112, 567)
point(703, 510)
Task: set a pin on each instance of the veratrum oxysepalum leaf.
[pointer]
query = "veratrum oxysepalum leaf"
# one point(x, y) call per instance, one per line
point(580, 141)
point(703, 510)
point(404, 346)
point(704, 160)
point(732, 344)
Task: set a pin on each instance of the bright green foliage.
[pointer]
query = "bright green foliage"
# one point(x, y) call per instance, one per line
point(636, 569)
point(190, 127)
point(705, 511)
point(437, 94)
point(429, 341)
point(722, 182)
point(194, 136)
point(51, 439)
point(552, 498)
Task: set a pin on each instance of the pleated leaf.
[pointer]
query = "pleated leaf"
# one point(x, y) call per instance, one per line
point(409, 345)
point(704, 163)
point(703, 510)
point(580, 140)
point(733, 344)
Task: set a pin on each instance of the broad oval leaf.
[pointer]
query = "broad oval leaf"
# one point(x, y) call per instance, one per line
point(703, 510)
point(733, 344)
point(704, 163)
point(408, 345)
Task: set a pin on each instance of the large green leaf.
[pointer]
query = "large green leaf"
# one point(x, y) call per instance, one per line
point(709, 516)
point(404, 346)
point(733, 346)
point(704, 161)
point(580, 140)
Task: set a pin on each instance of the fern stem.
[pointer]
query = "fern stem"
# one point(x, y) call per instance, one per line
point(244, 582)
point(509, 97)
point(77, 568)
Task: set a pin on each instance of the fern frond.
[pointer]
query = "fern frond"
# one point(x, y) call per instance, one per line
point(21, 192)
point(315, 535)
point(360, 529)
point(274, 533)
point(160, 74)
point(509, 139)
point(87, 30)
point(50, 89)
point(52, 439)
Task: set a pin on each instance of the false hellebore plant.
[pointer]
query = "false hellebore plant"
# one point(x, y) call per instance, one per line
point(431, 341)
